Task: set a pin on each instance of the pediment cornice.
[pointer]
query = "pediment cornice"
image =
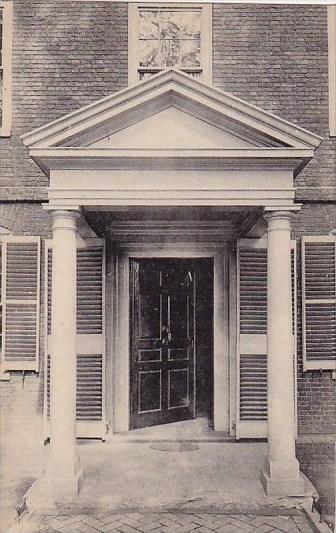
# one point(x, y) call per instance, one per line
point(159, 92)
point(67, 143)
point(110, 159)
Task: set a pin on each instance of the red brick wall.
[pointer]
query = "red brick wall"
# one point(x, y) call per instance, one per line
point(21, 398)
point(316, 391)
point(70, 53)
point(66, 54)
point(276, 57)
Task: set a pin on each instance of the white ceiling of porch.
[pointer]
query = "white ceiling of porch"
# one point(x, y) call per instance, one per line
point(183, 224)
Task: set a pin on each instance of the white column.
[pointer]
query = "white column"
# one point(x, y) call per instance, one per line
point(63, 464)
point(282, 474)
point(62, 478)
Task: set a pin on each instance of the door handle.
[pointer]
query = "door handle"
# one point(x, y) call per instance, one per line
point(166, 335)
point(167, 340)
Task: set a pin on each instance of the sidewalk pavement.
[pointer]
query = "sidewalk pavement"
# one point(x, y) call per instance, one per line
point(175, 522)
point(318, 461)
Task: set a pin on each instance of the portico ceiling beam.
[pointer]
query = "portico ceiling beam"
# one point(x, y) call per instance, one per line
point(248, 220)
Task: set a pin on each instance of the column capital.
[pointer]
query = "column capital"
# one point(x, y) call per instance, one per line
point(281, 211)
point(64, 219)
point(278, 220)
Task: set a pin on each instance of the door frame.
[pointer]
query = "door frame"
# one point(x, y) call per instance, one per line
point(121, 325)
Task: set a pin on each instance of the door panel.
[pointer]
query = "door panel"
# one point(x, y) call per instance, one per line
point(162, 341)
point(149, 393)
point(178, 388)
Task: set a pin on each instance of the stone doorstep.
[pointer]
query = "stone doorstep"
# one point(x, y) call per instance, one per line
point(288, 507)
point(278, 504)
point(270, 506)
point(291, 506)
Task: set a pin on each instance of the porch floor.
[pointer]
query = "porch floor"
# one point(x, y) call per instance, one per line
point(179, 473)
point(155, 475)
point(173, 467)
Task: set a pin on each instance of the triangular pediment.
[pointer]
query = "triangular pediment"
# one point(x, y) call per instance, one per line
point(170, 121)
point(172, 129)
point(168, 106)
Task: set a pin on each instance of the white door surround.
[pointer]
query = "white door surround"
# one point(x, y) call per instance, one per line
point(121, 347)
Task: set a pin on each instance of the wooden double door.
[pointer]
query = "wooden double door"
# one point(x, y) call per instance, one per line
point(165, 309)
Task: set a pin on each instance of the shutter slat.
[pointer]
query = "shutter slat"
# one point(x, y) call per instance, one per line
point(89, 290)
point(89, 404)
point(253, 321)
point(21, 303)
point(89, 387)
point(319, 302)
point(319, 270)
point(22, 270)
point(252, 298)
point(253, 291)
point(253, 387)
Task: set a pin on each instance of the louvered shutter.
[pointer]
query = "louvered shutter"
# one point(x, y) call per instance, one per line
point(251, 419)
point(21, 303)
point(90, 338)
point(319, 302)
point(1, 293)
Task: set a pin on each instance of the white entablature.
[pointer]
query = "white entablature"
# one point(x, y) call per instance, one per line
point(171, 139)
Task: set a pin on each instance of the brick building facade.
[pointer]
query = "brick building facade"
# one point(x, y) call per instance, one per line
point(67, 55)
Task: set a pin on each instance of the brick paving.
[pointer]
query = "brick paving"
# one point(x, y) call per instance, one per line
point(137, 522)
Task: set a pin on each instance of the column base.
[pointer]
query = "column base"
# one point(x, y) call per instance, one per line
point(289, 486)
point(47, 491)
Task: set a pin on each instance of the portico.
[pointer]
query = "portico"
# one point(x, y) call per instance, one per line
point(172, 168)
